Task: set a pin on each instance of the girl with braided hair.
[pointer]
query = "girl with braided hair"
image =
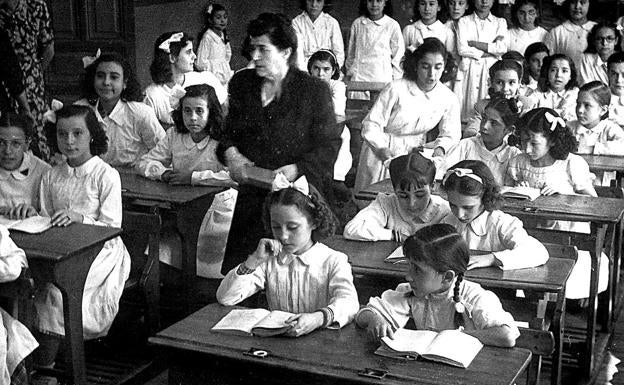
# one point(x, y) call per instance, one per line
point(436, 295)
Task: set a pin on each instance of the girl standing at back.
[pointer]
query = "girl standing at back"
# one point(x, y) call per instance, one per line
point(87, 190)
point(300, 275)
point(376, 45)
point(602, 41)
point(428, 22)
point(557, 86)
point(534, 57)
point(481, 40)
point(456, 9)
point(110, 88)
point(214, 51)
point(526, 29)
point(317, 30)
point(474, 197)
point(436, 296)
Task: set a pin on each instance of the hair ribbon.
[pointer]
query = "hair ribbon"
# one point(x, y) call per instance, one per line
point(281, 182)
point(50, 115)
point(209, 9)
point(331, 53)
point(461, 172)
point(88, 60)
point(174, 38)
point(554, 121)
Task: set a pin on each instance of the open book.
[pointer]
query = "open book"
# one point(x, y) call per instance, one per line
point(33, 225)
point(448, 346)
point(396, 256)
point(259, 322)
point(520, 192)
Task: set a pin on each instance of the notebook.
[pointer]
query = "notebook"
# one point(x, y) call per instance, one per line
point(32, 225)
point(258, 322)
point(520, 192)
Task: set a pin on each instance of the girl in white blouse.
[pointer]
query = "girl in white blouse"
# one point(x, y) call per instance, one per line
point(214, 51)
point(187, 156)
point(376, 45)
point(616, 84)
point(300, 275)
point(426, 24)
point(406, 111)
point(474, 197)
point(436, 296)
point(534, 57)
point(84, 189)
point(557, 87)
point(602, 41)
point(526, 29)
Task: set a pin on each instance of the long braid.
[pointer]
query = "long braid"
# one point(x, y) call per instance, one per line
point(459, 307)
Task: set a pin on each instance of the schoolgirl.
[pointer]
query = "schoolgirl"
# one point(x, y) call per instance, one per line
point(534, 57)
point(557, 86)
point(526, 28)
point(214, 51)
point(616, 84)
point(602, 41)
point(429, 21)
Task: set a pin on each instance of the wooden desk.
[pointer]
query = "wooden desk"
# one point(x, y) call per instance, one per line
point(324, 356)
point(606, 163)
point(365, 86)
point(367, 258)
point(187, 204)
point(63, 257)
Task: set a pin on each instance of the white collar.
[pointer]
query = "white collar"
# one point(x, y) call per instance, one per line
point(82, 170)
point(570, 26)
point(21, 172)
point(188, 142)
point(308, 258)
point(381, 22)
point(117, 114)
point(435, 26)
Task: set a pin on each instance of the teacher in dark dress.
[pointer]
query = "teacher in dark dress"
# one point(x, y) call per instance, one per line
point(281, 119)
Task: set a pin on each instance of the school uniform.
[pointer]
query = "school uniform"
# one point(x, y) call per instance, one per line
point(400, 120)
point(563, 102)
point(132, 130)
point(378, 220)
point(344, 160)
point(164, 99)
point(16, 342)
point(21, 186)
point(436, 311)
point(473, 148)
point(476, 63)
point(94, 190)
point(322, 33)
point(455, 84)
point(375, 51)
point(414, 34)
point(569, 39)
point(616, 109)
point(606, 138)
point(519, 39)
point(592, 68)
point(531, 86)
point(321, 277)
point(213, 55)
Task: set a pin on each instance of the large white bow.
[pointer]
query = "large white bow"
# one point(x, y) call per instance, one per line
point(281, 182)
point(175, 38)
point(554, 120)
point(88, 60)
point(461, 172)
point(50, 115)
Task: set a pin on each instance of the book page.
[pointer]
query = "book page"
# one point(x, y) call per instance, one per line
point(453, 347)
point(396, 256)
point(32, 225)
point(240, 320)
point(410, 341)
point(520, 192)
point(274, 320)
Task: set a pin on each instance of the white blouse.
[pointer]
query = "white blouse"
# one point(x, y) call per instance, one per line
point(378, 220)
point(488, 30)
point(519, 39)
point(564, 101)
point(569, 39)
point(322, 33)
point(21, 186)
point(616, 109)
point(414, 34)
point(214, 55)
point(606, 138)
point(592, 68)
point(320, 277)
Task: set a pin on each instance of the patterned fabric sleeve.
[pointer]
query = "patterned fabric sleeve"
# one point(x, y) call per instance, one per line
point(46, 35)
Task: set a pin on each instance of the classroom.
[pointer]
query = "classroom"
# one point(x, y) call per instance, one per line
point(311, 191)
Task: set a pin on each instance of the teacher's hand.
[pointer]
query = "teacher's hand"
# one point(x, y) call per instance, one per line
point(290, 171)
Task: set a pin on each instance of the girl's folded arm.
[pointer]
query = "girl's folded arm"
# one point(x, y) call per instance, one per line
point(236, 287)
point(369, 224)
point(522, 250)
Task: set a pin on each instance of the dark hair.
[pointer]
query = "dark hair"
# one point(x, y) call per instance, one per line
point(509, 109)
point(363, 9)
point(615, 58)
point(325, 55)
point(279, 30)
point(523, 75)
point(469, 8)
point(160, 69)
point(566, 8)
point(591, 36)
point(562, 140)
point(313, 206)
point(442, 14)
point(99, 140)
point(543, 84)
point(600, 92)
point(215, 113)
point(132, 92)
point(516, 7)
point(412, 169)
point(208, 21)
point(506, 64)
point(21, 121)
point(489, 190)
point(327, 6)
point(410, 60)
point(534, 48)
point(440, 247)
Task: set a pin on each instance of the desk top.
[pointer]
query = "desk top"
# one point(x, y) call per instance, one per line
point(336, 354)
point(59, 243)
point(368, 258)
point(560, 207)
point(134, 186)
point(604, 162)
point(365, 86)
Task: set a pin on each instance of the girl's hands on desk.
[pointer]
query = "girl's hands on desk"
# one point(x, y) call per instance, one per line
point(550, 189)
point(21, 211)
point(266, 249)
point(483, 260)
point(377, 327)
point(65, 217)
point(304, 323)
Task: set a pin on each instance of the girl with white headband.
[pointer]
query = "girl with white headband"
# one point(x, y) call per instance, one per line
point(474, 198)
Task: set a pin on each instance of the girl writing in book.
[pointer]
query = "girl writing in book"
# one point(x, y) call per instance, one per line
point(474, 197)
point(436, 296)
point(411, 206)
point(489, 145)
point(84, 189)
point(557, 88)
point(187, 155)
point(214, 51)
point(20, 170)
point(111, 89)
point(300, 275)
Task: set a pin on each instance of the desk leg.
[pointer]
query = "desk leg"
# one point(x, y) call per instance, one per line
point(189, 218)
point(593, 301)
point(614, 279)
point(558, 327)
